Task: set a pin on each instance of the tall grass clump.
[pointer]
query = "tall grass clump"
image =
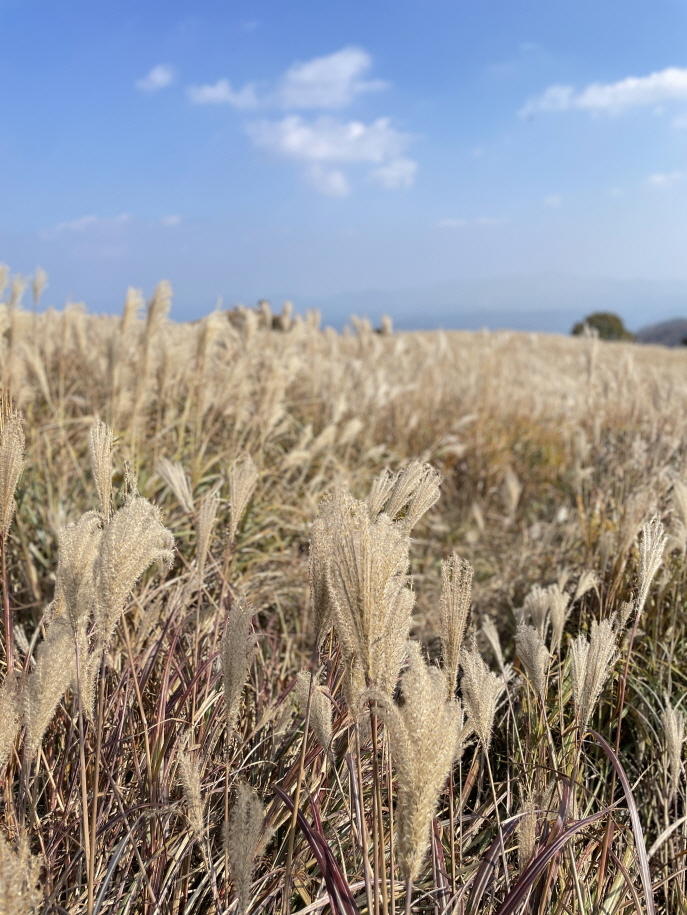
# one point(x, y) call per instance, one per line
point(299, 621)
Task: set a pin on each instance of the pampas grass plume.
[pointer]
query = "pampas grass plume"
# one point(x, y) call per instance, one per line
point(242, 834)
point(243, 478)
point(11, 466)
point(100, 442)
point(236, 650)
point(454, 607)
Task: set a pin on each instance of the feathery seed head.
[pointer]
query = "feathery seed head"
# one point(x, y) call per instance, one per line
point(55, 670)
point(673, 721)
point(319, 588)
point(11, 466)
point(417, 487)
point(158, 309)
point(491, 634)
point(236, 651)
point(559, 611)
point(535, 657)
point(134, 539)
point(10, 716)
point(243, 478)
point(527, 831)
point(189, 776)
point(480, 688)
point(591, 664)
point(650, 557)
point(512, 490)
point(242, 834)
point(206, 520)
point(425, 733)
point(320, 709)
point(535, 609)
point(175, 477)
point(74, 587)
point(379, 492)
point(19, 878)
point(368, 585)
point(100, 441)
point(587, 580)
point(454, 608)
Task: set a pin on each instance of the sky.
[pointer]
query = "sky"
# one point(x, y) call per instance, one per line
point(327, 152)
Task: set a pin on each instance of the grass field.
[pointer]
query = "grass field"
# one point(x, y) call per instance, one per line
point(298, 621)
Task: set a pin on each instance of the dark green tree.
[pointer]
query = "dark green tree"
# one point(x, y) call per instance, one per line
point(606, 324)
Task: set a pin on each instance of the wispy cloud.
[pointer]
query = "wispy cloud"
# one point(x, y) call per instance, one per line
point(158, 78)
point(330, 82)
point(85, 225)
point(327, 143)
point(613, 98)
point(461, 223)
point(171, 221)
point(665, 179)
point(222, 93)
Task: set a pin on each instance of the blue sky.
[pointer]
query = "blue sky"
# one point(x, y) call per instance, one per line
point(315, 149)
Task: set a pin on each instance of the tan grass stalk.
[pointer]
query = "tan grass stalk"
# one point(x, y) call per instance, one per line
point(100, 441)
point(242, 834)
point(454, 608)
point(236, 652)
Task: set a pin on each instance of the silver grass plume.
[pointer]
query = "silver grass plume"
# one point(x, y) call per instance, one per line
point(480, 689)
point(535, 609)
point(650, 558)
point(10, 716)
point(134, 539)
point(243, 478)
point(559, 611)
point(206, 519)
point(587, 580)
point(424, 732)
point(11, 466)
point(158, 309)
point(100, 442)
point(379, 492)
point(20, 893)
point(491, 634)
point(527, 831)
point(40, 281)
point(320, 709)
point(534, 656)
point(189, 776)
point(673, 721)
point(512, 490)
point(242, 835)
point(236, 648)
point(454, 608)
point(372, 603)
point(54, 672)
point(133, 305)
point(79, 548)
point(591, 664)
point(417, 487)
point(175, 477)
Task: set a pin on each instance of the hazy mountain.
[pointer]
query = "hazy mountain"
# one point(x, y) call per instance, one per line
point(667, 333)
point(549, 302)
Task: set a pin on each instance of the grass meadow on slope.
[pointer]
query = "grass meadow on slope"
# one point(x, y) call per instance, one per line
point(298, 621)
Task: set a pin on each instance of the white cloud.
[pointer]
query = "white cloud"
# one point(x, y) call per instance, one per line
point(479, 221)
point(222, 93)
point(397, 173)
point(159, 78)
point(665, 179)
point(553, 200)
point(171, 221)
point(327, 82)
point(328, 139)
point(612, 98)
point(84, 223)
point(329, 181)
point(328, 143)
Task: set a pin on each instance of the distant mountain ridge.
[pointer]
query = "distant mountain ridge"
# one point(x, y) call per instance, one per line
point(665, 333)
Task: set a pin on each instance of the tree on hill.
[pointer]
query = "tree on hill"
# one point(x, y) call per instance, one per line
point(607, 325)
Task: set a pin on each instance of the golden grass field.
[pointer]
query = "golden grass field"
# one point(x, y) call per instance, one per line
point(302, 621)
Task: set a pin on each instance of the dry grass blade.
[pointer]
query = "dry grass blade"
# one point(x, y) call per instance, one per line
point(175, 477)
